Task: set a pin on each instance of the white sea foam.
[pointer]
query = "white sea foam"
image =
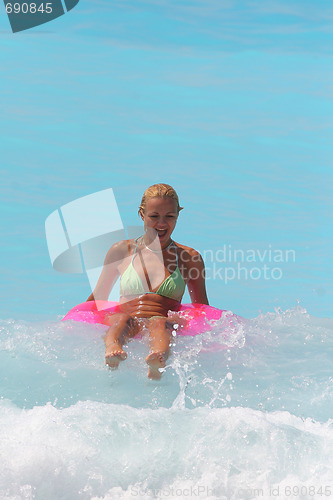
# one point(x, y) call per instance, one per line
point(242, 422)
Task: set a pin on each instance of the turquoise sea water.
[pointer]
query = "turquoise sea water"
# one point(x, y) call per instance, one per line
point(231, 104)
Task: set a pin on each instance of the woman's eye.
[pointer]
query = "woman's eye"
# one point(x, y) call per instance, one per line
point(156, 216)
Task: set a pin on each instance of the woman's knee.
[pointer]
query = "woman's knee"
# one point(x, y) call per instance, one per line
point(160, 322)
point(119, 319)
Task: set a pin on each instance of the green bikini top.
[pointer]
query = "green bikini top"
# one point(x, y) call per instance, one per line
point(172, 287)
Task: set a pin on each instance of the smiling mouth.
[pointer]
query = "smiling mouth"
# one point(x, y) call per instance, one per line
point(162, 233)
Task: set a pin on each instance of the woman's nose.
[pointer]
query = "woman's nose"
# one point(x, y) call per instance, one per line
point(162, 223)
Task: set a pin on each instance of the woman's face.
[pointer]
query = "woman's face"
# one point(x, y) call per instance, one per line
point(160, 219)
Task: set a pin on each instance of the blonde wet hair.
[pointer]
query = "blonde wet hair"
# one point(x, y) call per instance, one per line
point(158, 191)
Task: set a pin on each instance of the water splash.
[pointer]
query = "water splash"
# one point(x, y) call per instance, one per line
point(233, 415)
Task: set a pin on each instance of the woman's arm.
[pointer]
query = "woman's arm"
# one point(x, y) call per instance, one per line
point(196, 279)
point(110, 272)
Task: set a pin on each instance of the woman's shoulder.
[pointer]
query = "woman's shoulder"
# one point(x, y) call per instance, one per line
point(188, 254)
point(120, 250)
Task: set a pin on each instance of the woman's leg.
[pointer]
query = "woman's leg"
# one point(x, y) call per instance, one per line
point(159, 340)
point(121, 327)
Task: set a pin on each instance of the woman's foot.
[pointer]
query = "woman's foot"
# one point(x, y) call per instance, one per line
point(114, 353)
point(155, 360)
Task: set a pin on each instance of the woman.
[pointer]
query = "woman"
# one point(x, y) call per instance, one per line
point(154, 271)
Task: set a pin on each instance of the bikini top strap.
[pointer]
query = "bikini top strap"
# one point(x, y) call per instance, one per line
point(136, 239)
point(143, 265)
point(173, 243)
